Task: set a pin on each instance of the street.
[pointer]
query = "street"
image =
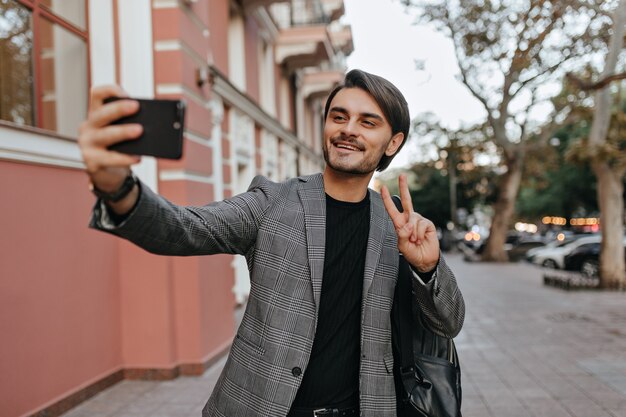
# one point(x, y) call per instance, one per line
point(526, 351)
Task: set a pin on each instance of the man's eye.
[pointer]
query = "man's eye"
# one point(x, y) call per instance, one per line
point(368, 123)
point(339, 118)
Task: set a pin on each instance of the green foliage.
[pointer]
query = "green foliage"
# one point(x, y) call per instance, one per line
point(612, 151)
point(564, 191)
point(430, 189)
point(555, 185)
point(431, 196)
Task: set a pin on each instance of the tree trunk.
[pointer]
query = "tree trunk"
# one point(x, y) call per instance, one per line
point(503, 210)
point(610, 186)
point(610, 192)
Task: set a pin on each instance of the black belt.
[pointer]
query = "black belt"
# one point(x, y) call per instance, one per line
point(324, 412)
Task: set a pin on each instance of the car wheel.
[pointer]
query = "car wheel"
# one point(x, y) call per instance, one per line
point(589, 268)
point(549, 263)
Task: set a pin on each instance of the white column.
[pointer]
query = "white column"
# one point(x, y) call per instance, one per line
point(101, 42)
point(137, 66)
point(217, 110)
point(243, 165)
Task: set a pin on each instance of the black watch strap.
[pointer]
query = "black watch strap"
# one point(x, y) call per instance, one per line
point(120, 193)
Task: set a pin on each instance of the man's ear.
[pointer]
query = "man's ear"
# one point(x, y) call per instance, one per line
point(394, 144)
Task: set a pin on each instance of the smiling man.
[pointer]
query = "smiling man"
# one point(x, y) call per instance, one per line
point(323, 250)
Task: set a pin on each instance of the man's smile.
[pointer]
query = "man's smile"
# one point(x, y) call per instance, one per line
point(348, 146)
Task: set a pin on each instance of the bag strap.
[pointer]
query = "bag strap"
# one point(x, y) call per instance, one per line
point(404, 305)
point(406, 314)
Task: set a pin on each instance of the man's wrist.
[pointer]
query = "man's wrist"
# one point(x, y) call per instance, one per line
point(426, 269)
point(128, 203)
point(425, 272)
point(121, 192)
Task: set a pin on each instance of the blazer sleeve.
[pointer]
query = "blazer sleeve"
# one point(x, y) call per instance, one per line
point(441, 301)
point(161, 227)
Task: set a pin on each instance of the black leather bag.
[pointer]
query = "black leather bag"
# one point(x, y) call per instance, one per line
point(427, 371)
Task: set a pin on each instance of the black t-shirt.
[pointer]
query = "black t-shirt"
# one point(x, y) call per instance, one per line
point(332, 375)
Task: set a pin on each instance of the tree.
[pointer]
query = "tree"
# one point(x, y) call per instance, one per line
point(448, 176)
point(606, 149)
point(552, 184)
point(510, 55)
point(455, 153)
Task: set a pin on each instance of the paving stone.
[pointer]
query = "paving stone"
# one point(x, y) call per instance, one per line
point(525, 350)
point(543, 407)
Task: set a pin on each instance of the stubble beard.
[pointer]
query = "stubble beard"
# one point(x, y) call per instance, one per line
point(365, 167)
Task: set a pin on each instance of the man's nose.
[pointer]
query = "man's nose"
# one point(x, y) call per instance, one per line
point(350, 128)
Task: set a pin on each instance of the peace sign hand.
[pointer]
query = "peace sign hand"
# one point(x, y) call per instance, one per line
point(417, 236)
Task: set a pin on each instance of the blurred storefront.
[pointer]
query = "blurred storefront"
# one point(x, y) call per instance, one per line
point(80, 310)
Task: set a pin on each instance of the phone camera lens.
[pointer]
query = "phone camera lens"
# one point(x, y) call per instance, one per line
point(177, 125)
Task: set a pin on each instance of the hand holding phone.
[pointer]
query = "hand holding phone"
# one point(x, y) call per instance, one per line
point(163, 127)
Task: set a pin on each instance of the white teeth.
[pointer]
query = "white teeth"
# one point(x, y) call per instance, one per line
point(352, 148)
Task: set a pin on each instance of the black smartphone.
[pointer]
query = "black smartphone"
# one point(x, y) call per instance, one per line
point(163, 124)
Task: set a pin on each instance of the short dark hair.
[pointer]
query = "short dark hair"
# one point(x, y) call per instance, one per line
point(389, 99)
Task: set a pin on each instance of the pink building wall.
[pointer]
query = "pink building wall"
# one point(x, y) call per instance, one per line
point(218, 38)
point(178, 312)
point(79, 306)
point(80, 309)
point(59, 289)
point(252, 59)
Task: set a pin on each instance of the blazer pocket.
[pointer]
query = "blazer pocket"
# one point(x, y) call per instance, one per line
point(249, 346)
point(388, 359)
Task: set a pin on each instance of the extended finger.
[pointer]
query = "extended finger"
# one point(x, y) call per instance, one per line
point(99, 93)
point(405, 196)
point(394, 213)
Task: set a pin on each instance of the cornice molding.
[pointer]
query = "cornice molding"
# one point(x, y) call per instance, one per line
point(236, 98)
point(267, 23)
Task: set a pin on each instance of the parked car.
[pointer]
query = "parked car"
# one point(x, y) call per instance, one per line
point(550, 245)
point(586, 259)
point(517, 251)
point(515, 246)
point(552, 256)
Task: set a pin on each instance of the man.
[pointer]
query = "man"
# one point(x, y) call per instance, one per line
point(315, 339)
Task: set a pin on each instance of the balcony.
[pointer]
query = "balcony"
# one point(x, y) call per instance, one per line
point(304, 39)
point(303, 46)
point(319, 84)
point(295, 13)
point(341, 38)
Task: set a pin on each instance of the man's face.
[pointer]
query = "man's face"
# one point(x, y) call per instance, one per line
point(356, 133)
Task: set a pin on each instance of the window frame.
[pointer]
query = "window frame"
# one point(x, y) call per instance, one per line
point(40, 11)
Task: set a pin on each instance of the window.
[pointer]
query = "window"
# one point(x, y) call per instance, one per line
point(16, 69)
point(236, 50)
point(43, 63)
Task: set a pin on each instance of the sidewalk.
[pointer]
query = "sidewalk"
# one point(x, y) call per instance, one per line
point(526, 351)
point(530, 350)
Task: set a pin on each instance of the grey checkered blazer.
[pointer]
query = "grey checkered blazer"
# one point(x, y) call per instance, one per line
point(280, 229)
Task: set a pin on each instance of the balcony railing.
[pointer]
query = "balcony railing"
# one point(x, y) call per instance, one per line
point(298, 13)
point(308, 12)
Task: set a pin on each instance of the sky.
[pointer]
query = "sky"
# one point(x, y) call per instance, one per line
point(386, 43)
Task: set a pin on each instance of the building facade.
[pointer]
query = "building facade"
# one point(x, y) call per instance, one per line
point(81, 310)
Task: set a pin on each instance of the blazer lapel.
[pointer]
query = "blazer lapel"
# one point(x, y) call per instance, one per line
point(378, 217)
point(313, 199)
